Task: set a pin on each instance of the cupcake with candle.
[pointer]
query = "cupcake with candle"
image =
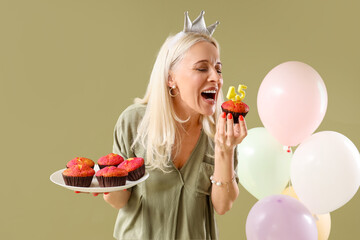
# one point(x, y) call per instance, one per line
point(235, 105)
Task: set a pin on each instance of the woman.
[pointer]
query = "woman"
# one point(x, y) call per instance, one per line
point(179, 130)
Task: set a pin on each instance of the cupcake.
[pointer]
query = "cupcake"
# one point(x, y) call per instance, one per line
point(111, 176)
point(135, 167)
point(78, 175)
point(111, 159)
point(235, 105)
point(80, 161)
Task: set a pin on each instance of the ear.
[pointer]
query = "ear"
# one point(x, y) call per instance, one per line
point(171, 80)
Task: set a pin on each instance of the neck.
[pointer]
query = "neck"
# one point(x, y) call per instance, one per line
point(194, 118)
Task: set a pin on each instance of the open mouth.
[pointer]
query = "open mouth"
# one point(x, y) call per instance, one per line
point(209, 94)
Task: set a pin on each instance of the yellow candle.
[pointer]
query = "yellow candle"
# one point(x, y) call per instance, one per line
point(241, 91)
point(231, 95)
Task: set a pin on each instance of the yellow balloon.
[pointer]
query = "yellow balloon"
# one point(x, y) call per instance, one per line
point(290, 192)
point(323, 225)
point(323, 221)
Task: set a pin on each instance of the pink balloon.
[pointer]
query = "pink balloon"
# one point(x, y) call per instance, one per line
point(280, 217)
point(292, 102)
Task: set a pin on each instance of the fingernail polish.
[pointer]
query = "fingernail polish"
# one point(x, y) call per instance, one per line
point(230, 116)
point(224, 115)
point(125, 190)
point(241, 118)
point(77, 192)
point(106, 193)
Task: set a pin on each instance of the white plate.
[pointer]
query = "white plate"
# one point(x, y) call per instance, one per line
point(58, 179)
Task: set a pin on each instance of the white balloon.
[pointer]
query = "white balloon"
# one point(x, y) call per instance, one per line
point(325, 171)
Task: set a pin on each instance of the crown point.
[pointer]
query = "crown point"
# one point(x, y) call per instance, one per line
point(198, 25)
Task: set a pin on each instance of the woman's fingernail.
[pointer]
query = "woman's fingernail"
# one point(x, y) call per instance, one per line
point(230, 116)
point(223, 115)
point(241, 118)
point(77, 192)
point(95, 194)
point(124, 189)
point(106, 193)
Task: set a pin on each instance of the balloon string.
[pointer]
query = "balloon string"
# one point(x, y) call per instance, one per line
point(287, 149)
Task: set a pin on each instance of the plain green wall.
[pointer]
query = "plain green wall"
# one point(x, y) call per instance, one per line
point(68, 69)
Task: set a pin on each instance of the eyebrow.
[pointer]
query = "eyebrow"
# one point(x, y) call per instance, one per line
point(206, 62)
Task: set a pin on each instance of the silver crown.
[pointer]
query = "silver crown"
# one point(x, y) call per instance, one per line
point(198, 25)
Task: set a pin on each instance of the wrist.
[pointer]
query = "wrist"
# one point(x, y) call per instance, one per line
point(224, 153)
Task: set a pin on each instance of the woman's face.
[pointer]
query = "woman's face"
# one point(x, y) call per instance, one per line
point(198, 79)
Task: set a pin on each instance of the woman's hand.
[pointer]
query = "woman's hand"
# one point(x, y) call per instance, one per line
point(117, 199)
point(228, 134)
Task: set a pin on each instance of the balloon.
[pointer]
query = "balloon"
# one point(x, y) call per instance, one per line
point(292, 102)
point(280, 217)
point(325, 171)
point(323, 224)
point(290, 192)
point(323, 221)
point(264, 166)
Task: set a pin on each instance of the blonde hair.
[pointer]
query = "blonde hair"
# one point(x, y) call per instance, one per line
point(158, 128)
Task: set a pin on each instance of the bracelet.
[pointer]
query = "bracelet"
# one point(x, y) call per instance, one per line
point(219, 184)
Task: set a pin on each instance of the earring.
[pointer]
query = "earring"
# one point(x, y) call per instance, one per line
point(170, 91)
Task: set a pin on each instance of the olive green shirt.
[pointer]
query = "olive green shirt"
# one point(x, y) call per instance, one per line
point(175, 205)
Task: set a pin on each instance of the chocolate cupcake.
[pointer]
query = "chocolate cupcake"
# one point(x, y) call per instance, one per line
point(111, 159)
point(80, 161)
point(111, 176)
point(78, 175)
point(236, 108)
point(135, 167)
point(235, 105)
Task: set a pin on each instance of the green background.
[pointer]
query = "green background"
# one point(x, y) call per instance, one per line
point(69, 68)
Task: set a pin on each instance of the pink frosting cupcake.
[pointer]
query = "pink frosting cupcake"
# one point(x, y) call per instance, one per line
point(80, 161)
point(111, 159)
point(78, 175)
point(111, 176)
point(135, 167)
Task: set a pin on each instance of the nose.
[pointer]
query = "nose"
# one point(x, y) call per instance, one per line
point(214, 76)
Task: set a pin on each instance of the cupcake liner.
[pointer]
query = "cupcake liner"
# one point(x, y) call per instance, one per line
point(137, 173)
point(78, 181)
point(234, 114)
point(111, 181)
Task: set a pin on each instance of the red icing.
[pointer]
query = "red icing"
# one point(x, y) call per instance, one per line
point(110, 159)
point(131, 164)
point(112, 172)
point(235, 106)
point(81, 161)
point(79, 171)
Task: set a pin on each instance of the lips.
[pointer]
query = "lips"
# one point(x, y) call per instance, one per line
point(209, 94)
